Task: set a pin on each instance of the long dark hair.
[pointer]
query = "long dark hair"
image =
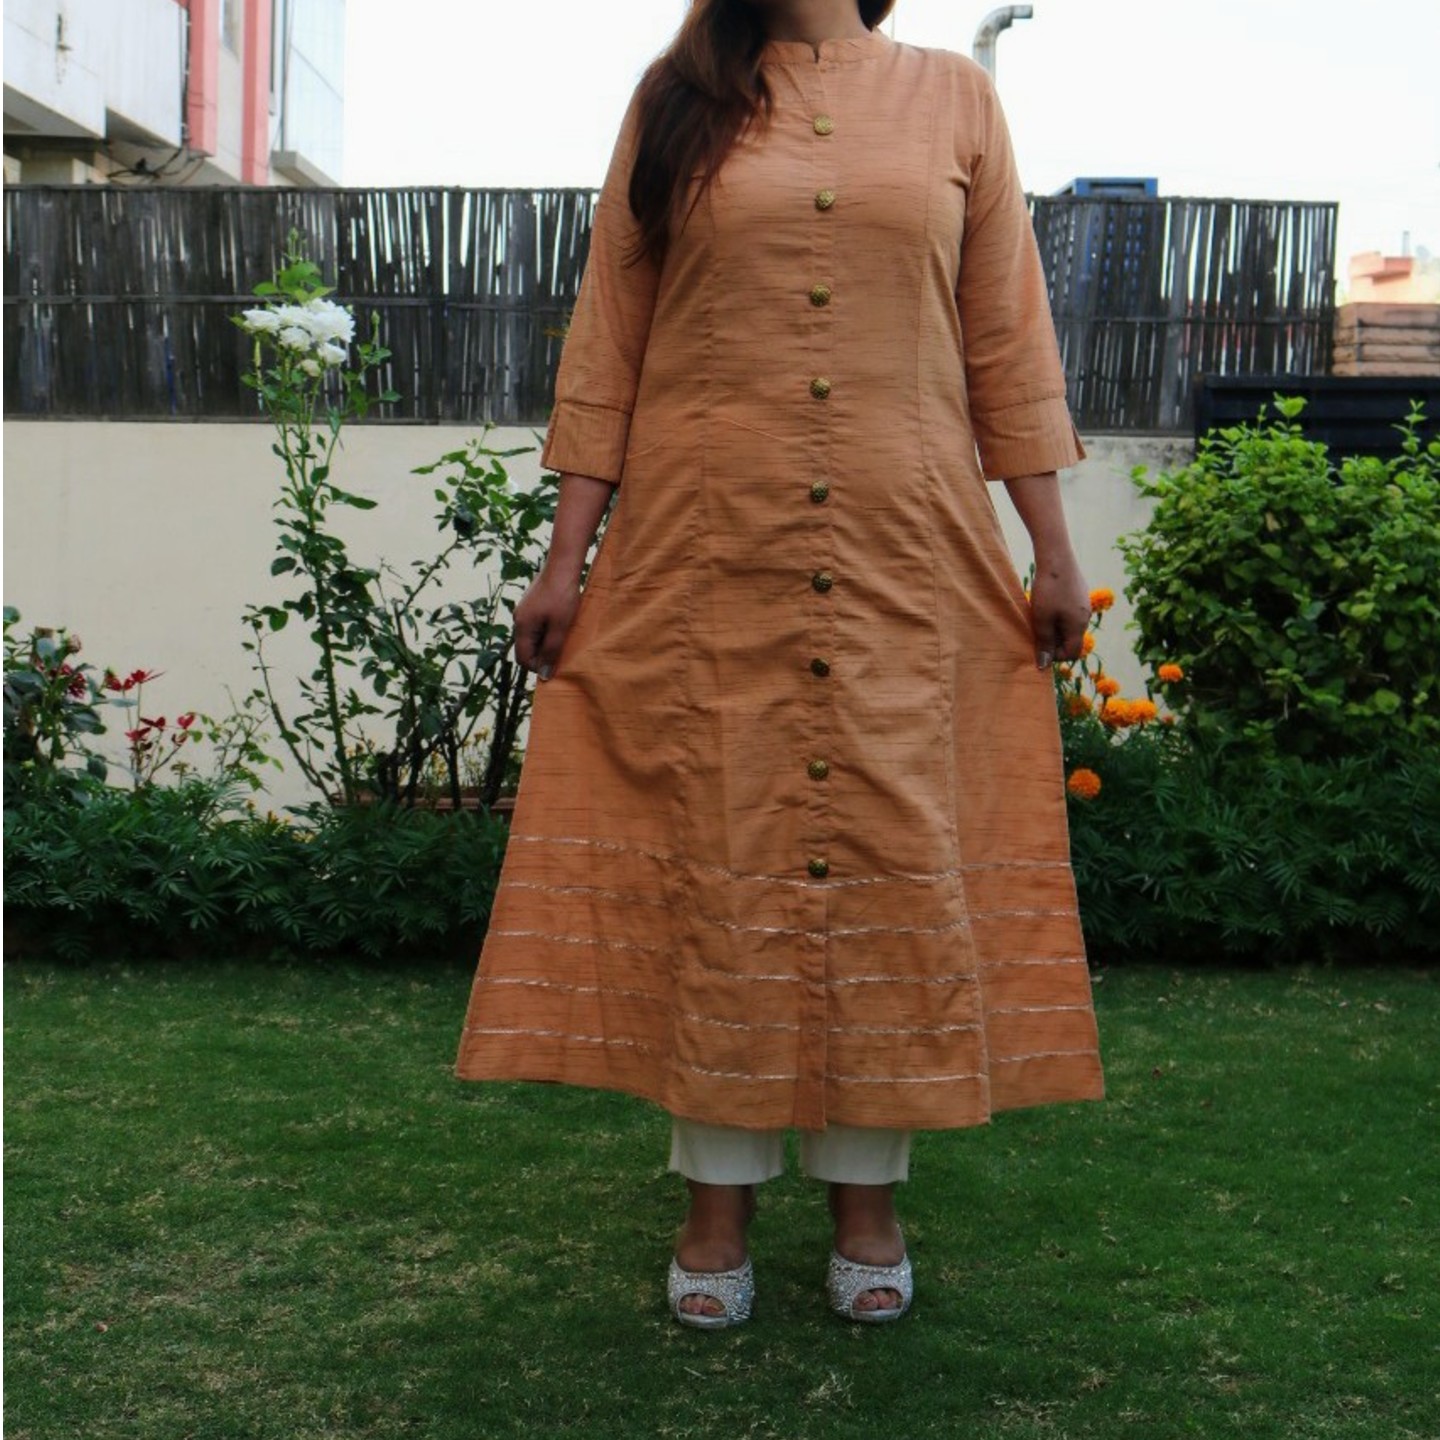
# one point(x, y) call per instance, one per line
point(695, 101)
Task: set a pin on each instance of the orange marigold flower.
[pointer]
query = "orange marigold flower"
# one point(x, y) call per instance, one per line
point(1141, 711)
point(1077, 704)
point(1106, 686)
point(1083, 784)
point(1117, 713)
point(1063, 671)
point(1102, 599)
point(1170, 674)
point(1088, 644)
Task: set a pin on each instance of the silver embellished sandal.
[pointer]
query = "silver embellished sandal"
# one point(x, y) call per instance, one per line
point(846, 1281)
point(734, 1289)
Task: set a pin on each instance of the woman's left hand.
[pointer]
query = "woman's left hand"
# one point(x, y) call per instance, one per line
point(1059, 608)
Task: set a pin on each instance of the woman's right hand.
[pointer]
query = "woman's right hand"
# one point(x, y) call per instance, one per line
point(542, 621)
point(545, 613)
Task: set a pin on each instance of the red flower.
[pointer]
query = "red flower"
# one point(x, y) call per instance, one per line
point(134, 678)
point(186, 720)
point(77, 687)
point(158, 724)
point(136, 736)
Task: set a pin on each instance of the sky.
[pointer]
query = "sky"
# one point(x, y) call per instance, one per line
point(1255, 99)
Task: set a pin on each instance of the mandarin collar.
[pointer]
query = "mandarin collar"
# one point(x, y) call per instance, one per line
point(834, 52)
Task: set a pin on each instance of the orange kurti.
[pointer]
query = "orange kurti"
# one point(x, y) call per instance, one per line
point(790, 845)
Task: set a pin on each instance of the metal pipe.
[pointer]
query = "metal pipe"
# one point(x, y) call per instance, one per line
point(990, 27)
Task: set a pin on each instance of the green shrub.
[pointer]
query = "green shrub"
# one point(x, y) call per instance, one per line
point(1298, 596)
point(52, 712)
point(153, 872)
point(1205, 853)
point(1192, 843)
point(388, 648)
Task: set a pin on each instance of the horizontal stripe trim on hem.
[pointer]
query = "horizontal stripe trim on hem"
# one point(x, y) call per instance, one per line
point(797, 882)
point(1040, 1055)
point(519, 1031)
point(951, 978)
point(819, 933)
point(788, 977)
point(647, 997)
point(1030, 1009)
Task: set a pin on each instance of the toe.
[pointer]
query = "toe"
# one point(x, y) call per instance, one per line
point(870, 1300)
point(698, 1304)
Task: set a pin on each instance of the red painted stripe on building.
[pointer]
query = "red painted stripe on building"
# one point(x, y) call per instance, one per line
point(202, 84)
point(255, 135)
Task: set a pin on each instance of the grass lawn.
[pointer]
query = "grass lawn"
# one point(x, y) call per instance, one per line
point(249, 1203)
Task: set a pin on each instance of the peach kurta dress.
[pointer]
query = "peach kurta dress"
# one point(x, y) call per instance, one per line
point(790, 846)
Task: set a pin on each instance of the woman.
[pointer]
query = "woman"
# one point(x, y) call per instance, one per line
point(790, 848)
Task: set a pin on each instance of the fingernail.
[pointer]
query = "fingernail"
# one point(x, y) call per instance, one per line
point(1044, 660)
point(545, 672)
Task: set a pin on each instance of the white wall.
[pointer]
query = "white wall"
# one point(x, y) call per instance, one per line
point(311, 43)
point(230, 126)
point(95, 68)
point(149, 540)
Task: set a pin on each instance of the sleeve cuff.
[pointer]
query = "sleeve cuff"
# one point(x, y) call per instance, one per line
point(1031, 438)
point(586, 440)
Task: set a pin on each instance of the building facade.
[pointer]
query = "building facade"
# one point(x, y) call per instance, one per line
point(181, 92)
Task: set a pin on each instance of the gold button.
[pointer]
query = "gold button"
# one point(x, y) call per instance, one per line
point(820, 295)
point(817, 769)
point(822, 580)
point(820, 387)
point(819, 868)
point(820, 668)
point(824, 125)
point(824, 199)
point(819, 492)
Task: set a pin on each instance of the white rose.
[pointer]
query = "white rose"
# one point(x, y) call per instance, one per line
point(311, 368)
point(260, 322)
point(328, 321)
point(332, 354)
point(292, 337)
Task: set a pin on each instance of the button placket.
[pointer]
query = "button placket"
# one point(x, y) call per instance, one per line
point(817, 296)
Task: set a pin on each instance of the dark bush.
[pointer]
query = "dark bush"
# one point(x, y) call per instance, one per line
point(1213, 852)
point(1298, 595)
point(153, 872)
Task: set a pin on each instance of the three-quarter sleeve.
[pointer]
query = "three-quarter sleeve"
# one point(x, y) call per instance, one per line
point(1013, 375)
point(600, 364)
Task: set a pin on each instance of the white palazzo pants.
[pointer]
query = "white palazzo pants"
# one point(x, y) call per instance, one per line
point(839, 1154)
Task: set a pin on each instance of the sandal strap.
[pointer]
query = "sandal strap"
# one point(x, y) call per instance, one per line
point(734, 1289)
point(846, 1280)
